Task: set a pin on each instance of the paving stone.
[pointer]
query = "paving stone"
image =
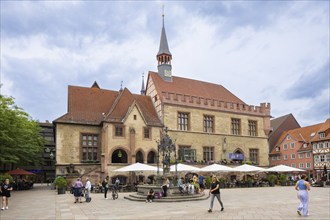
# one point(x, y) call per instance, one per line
point(240, 203)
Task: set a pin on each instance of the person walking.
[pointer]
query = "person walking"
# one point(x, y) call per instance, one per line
point(215, 192)
point(302, 186)
point(77, 190)
point(88, 187)
point(105, 185)
point(5, 193)
point(117, 182)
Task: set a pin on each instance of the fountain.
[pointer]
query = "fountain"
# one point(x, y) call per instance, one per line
point(165, 147)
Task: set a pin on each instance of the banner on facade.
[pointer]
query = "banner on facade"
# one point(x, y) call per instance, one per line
point(234, 156)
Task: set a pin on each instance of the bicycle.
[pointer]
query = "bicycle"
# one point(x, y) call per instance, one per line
point(114, 193)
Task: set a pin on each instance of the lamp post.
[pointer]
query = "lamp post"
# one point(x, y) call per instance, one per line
point(51, 157)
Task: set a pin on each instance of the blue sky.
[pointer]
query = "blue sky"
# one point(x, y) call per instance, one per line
point(262, 51)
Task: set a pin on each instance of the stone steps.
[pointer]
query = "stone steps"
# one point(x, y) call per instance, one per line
point(171, 198)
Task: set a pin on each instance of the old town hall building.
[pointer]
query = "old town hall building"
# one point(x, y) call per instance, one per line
point(104, 130)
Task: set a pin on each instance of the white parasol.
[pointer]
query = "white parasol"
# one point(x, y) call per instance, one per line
point(248, 168)
point(284, 168)
point(138, 167)
point(216, 168)
point(184, 167)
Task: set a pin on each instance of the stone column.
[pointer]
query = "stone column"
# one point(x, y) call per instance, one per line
point(104, 152)
point(131, 153)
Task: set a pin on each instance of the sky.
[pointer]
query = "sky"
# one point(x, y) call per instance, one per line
point(261, 51)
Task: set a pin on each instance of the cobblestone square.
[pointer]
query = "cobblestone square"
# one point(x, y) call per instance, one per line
point(240, 203)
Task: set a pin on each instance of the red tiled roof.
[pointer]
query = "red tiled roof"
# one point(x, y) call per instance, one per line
point(120, 108)
point(126, 100)
point(90, 105)
point(277, 122)
point(325, 127)
point(303, 135)
point(148, 110)
point(192, 87)
point(87, 105)
point(279, 125)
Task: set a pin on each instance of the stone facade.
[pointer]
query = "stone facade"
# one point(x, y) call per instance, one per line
point(221, 139)
point(92, 146)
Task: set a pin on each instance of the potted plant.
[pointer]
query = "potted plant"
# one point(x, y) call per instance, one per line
point(61, 183)
point(271, 179)
point(249, 182)
point(208, 181)
point(222, 182)
point(283, 180)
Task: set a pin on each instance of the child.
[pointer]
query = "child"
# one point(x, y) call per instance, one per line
point(5, 192)
point(150, 196)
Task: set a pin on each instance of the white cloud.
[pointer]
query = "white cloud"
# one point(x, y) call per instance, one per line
point(258, 59)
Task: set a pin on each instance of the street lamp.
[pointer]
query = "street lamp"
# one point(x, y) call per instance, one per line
point(51, 156)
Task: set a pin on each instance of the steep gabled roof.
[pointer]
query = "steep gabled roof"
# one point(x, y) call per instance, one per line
point(148, 110)
point(191, 87)
point(277, 122)
point(87, 105)
point(279, 125)
point(127, 100)
point(94, 105)
point(120, 107)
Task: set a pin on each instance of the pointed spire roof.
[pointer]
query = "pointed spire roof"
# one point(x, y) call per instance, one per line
point(143, 91)
point(163, 46)
point(121, 86)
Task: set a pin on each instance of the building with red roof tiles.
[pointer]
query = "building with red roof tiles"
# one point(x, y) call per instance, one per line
point(209, 123)
point(278, 126)
point(104, 129)
point(298, 147)
point(321, 151)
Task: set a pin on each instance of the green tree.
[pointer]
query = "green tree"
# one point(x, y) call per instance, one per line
point(20, 139)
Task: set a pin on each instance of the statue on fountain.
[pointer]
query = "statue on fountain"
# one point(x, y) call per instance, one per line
point(165, 147)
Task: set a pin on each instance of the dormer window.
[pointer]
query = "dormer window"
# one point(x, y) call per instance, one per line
point(288, 137)
point(305, 145)
point(277, 148)
point(322, 135)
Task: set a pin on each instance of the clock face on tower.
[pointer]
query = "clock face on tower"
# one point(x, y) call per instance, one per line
point(167, 73)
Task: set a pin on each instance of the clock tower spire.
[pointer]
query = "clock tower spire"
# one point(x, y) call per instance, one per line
point(164, 56)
